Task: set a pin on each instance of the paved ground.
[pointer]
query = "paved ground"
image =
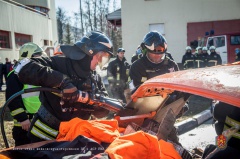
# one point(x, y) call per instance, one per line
point(200, 137)
point(2, 102)
point(8, 123)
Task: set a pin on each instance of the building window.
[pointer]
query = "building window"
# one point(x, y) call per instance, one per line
point(4, 39)
point(42, 9)
point(37, 8)
point(218, 41)
point(46, 43)
point(235, 40)
point(21, 39)
point(157, 27)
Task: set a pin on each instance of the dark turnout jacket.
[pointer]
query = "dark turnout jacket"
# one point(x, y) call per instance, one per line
point(214, 59)
point(117, 72)
point(50, 72)
point(143, 69)
point(188, 60)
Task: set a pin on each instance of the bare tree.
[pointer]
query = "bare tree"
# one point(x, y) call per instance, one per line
point(95, 14)
point(61, 20)
point(92, 16)
point(68, 37)
point(75, 29)
point(81, 15)
point(89, 13)
point(102, 11)
point(101, 15)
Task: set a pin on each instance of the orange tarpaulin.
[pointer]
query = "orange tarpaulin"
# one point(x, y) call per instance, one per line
point(98, 130)
point(141, 145)
point(134, 145)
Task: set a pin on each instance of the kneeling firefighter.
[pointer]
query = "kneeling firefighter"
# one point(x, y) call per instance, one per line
point(72, 74)
point(23, 107)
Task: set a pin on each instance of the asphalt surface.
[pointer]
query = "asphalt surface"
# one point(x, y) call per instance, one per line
point(200, 136)
point(193, 122)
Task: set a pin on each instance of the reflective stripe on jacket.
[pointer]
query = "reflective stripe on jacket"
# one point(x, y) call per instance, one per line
point(31, 100)
point(229, 122)
point(43, 131)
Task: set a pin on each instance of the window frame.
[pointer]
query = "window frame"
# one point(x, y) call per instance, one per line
point(23, 39)
point(160, 27)
point(6, 34)
point(236, 37)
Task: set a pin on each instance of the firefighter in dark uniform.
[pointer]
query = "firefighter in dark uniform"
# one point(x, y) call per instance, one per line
point(118, 72)
point(153, 63)
point(205, 56)
point(237, 52)
point(226, 116)
point(137, 55)
point(188, 59)
point(23, 107)
point(200, 57)
point(72, 74)
point(214, 58)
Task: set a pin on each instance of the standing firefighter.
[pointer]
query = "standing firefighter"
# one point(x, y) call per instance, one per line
point(188, 59)
point(152, 64)
point(73, 76)
point(118, 71)
point(205, 56)
point(137, 55)
point(214, 58)
point(23, 107)
point(237, 52)
point(201, 57)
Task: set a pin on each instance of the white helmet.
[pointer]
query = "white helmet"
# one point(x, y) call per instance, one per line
point(29, 49)
point(188, 48)
point(212, 48)
point(204, 49)
point(198, 48)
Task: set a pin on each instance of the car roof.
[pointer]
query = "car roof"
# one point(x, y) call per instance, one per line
point(219, 83)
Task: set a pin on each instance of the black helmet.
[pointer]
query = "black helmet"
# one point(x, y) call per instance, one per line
point(154, 42)
point(90, 44)
point(120, 50)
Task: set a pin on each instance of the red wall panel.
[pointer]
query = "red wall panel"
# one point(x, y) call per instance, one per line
point(198, 29)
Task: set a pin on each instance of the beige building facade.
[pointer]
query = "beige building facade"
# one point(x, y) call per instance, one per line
point(170, 17)
point(24, 21)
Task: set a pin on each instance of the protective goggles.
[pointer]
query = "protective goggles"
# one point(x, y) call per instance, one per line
point(159, 49)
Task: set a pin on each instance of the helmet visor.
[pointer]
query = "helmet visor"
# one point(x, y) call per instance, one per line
point(159, 50)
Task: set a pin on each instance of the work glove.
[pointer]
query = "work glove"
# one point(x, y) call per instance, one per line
point(70, 93)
